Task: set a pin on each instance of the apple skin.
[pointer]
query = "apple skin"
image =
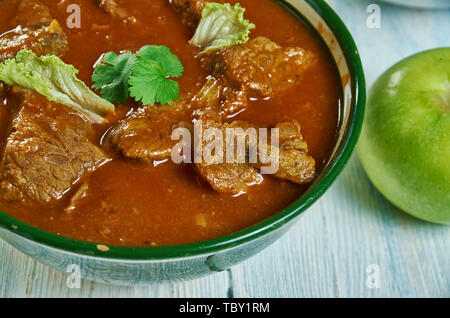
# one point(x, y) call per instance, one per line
point(405, 141)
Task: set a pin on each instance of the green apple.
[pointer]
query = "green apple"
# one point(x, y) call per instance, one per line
point(405, 142)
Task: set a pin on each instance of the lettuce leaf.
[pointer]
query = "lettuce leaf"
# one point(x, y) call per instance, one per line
point(221, 25)
point(56, 80)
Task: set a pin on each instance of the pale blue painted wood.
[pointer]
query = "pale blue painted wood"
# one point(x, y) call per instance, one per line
point(326, 254)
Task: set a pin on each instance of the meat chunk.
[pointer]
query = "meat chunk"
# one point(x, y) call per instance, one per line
point(45, 41)
point(229, 178)
point(258, 69)
point(260, 66)
point(49, 147)
point(146, 134)
point(294, 163)
point(32, 14)
point(190, 10)
point(221, 99)
point(111, 7)
point(116, 11)
point(36, 31)
point(230, 175)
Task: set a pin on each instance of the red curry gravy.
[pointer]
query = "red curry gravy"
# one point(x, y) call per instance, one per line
point(133, 204)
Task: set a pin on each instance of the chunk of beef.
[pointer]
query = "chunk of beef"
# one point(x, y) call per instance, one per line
point(260, 66)
point(113, 8)
point(146, 134)
point(223, 100)
point(49, 147)
point(225, 177)
point(36, 31)
point(235, 177)
point(295, 164)
point(230, 178)
point(45, 41)
point(190, 10)
point(32, 14)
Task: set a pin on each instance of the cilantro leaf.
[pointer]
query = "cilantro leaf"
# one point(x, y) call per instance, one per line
point(169, 62)
point(149, 81)
point(112, 74)
point(144, 76)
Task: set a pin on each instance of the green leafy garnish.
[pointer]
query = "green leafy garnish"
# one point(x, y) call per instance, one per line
point(150, 81)
point(56, 80)
point(221, 25)
point(112, 74)
point(144, 76)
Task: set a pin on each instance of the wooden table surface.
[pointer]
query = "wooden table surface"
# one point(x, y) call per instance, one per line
point(351, 243)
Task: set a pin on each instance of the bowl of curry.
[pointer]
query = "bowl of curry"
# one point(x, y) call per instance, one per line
point(92, 91)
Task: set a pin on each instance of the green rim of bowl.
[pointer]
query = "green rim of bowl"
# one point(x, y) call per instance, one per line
point(256, 231)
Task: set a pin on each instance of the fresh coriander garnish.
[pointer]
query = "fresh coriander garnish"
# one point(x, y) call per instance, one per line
point(150, 81)
point(112, 74)
point(144, 76)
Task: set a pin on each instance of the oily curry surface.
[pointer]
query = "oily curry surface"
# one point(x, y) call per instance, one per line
point(132, 203)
